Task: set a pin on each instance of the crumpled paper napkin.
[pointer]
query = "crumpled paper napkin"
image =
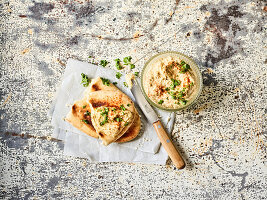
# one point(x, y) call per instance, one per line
point(145, 148)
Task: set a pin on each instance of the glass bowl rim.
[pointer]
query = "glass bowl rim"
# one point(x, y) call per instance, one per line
point(196, 70)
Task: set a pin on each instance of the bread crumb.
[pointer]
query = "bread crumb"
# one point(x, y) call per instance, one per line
point(129, 80)
point(30, 31)
point(25, 51)
point(61, 63)
point(237, 90)
point(210, 71)
point(136, 35)
point(84, 163)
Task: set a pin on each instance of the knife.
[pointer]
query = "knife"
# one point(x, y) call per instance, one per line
point(153, 118)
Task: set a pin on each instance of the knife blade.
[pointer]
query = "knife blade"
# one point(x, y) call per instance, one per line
point(143, 104)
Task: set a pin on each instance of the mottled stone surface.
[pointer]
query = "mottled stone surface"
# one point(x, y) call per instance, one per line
point(222, 137)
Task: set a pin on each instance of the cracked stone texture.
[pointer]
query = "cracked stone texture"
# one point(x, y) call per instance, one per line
point(222, 137)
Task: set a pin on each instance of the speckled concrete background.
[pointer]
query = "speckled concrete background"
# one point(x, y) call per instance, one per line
point(222, 137)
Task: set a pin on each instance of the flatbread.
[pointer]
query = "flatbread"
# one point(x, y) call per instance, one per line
point(77, 116)
point(113, 113)
point(132, 132)
point(97, 85)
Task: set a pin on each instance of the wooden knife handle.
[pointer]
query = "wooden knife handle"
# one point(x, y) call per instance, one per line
point(168, 145)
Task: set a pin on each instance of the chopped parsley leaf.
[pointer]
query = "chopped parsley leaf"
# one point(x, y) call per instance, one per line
point(127, 60)
point(128, 105)
point(105, 115)
point(136, 73)
point(87, 113)
point(126, 124)
point(118, 75)
point(181, 93)
point(103, 63)
point(85, 121)
point(125, 84)
point(132, 66)
point(115, 83)
point(106, 110)
point(160, 101)
point(105, 120)
point(85, 80)
point(105, 81)
point(182, 62)
point(183, 101)
point(167, 89)
point(174, 83)
point(113, 109)
point(118, 119)
point(174, 97)
point(122, 107)
point(84, 106)
point(185, 68)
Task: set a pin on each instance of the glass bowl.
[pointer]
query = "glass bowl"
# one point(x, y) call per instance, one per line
point(188, 60)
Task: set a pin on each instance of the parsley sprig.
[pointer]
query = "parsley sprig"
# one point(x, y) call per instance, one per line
point(105, 81)
point(118, 64)
point(103, 63)
point(136, 74)
point(128, 61)
point(185, 67)
point(125, 84)
point(118, 75)
point(85, 80)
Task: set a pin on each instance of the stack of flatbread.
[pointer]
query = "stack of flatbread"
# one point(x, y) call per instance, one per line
point(105, 112)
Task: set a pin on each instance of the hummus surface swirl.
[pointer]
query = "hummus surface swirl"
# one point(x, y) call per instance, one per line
point(170, 82)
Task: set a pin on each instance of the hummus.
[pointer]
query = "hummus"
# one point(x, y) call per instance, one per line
point(169, 82)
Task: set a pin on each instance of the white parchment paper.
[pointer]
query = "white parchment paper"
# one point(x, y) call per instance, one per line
point(145, 148)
